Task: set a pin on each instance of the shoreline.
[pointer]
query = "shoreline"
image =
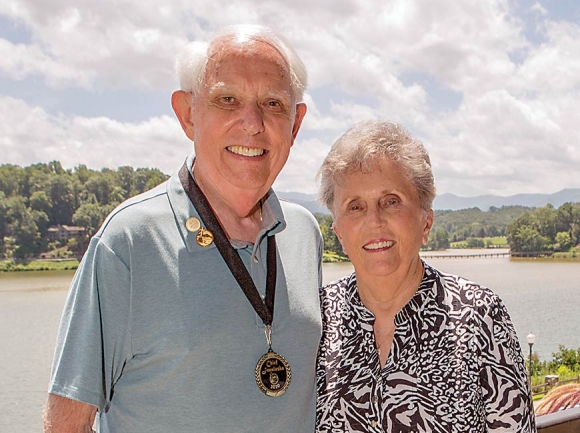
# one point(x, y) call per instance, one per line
point(571, 256)
point(39, 265)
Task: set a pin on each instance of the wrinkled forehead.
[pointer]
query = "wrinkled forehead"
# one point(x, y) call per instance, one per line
point(244, 46)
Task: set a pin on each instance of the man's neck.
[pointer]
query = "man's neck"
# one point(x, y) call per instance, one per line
point(239, 212)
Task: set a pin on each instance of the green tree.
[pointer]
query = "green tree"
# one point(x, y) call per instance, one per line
point(23, 228)
point(91, 217)
point(563, 241)
point(438, 239)
point(475, 243)
point(83, 173)
point(569, 358)
point(62, 194)
point(331, 242)
point(39, 201)
point(545, 222)
point(528, 239)
point(3, 220)
point(11, 179)
point(126, 181)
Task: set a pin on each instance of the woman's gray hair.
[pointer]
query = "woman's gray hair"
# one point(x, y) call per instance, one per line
point(360, 149)
point(192, 60)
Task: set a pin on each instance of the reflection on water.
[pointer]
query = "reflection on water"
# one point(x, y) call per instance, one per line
point(35, 281)
point(541, 296)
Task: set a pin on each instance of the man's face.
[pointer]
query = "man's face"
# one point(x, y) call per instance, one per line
point(244, 119)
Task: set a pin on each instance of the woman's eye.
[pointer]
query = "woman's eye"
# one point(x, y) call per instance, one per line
point(390, 202)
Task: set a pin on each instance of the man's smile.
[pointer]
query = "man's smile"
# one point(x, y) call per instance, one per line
point(246, 151)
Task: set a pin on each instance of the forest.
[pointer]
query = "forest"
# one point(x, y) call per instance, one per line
point(42, 196)
point(546, 230)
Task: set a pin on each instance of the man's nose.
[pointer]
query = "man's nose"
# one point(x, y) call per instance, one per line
point(252, 118)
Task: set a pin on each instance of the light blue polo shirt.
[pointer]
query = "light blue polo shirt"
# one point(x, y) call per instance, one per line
point(159, 336)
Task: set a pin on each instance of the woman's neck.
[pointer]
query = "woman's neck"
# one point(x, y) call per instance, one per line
point(386, 296)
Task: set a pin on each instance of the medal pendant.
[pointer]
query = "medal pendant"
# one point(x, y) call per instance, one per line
point(273, 374)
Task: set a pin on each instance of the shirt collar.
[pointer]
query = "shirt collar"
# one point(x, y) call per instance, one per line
point(272, 216)
point(426, 293)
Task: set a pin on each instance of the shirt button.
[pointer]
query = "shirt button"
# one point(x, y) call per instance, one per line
point(375, 399)
point(374, 423)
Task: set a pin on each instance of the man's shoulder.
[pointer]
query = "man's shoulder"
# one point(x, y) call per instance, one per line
point(137, 210)
point(295, 211)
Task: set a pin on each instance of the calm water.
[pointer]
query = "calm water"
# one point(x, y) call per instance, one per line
point(543, 297)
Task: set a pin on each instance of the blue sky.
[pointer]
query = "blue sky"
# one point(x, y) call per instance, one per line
point(492, 88)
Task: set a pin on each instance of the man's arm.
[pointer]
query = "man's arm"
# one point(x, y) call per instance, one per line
point(63, 415)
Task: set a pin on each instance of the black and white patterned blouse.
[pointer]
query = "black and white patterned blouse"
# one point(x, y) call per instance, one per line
point(455, 364)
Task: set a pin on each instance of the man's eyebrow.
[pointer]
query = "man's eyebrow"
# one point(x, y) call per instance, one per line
point(219, 86)
point(222, 87)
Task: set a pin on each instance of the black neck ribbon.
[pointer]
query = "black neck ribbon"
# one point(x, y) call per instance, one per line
point(264, 309)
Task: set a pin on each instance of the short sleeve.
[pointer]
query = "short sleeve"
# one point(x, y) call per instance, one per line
point(93, 341)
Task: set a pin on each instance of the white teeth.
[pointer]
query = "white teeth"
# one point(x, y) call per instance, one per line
point(379, 245)
point(246, 151)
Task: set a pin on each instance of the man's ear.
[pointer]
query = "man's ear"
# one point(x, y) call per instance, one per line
point(298, 117)
point(181, 102)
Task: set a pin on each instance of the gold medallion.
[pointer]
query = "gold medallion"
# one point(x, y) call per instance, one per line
point(273, 374)
point(192, 224)
point(204, 237)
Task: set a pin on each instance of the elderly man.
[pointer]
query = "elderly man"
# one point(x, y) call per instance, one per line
point(196, 306)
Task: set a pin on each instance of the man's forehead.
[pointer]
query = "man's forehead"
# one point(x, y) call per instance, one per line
point(230, 48)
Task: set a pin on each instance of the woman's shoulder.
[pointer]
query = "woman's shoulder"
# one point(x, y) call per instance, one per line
point(461, 292)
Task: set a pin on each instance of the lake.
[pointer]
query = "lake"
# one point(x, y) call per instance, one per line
point(542, 297)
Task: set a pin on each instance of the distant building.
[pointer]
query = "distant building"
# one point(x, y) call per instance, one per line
point(63, 233)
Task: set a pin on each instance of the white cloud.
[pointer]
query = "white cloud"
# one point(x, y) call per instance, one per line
point(511, 129)
point(29, 134)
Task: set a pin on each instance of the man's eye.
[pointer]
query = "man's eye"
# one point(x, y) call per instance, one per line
point(228, 99)
point(274, 104)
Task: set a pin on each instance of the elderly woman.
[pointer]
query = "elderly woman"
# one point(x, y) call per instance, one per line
point(404, 346)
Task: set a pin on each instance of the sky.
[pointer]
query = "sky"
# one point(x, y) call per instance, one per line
point(491, 87)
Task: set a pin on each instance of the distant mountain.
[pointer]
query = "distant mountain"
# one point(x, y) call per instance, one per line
point(309, 201)
point(449, 201)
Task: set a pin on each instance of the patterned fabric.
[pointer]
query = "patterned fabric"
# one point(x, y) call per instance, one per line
point(455, 364)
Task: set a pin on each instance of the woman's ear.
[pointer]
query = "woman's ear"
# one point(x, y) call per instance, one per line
point(339, 237)
point(429, 217)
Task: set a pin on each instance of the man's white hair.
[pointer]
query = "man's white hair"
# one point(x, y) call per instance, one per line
point(192, 60)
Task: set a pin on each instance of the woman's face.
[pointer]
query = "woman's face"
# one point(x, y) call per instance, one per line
point(379, 221)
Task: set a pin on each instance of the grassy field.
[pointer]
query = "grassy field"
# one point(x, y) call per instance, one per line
point(329, 257)
point(39, 265)
point(491, 242)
